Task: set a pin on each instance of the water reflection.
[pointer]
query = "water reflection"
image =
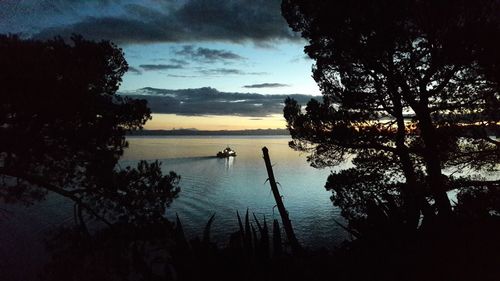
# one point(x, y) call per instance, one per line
point(229, 161)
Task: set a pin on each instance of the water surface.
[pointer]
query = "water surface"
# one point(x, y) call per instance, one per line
point(223, 186)
point(209, 185)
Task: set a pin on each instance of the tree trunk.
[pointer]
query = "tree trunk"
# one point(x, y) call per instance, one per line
point(410, 191)
point(413, 197)
point(433, 162)
point(287, 224)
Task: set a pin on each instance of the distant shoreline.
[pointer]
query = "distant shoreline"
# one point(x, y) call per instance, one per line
point(189, 132)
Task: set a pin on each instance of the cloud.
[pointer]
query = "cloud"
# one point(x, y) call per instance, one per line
point(221, 71)
point(126, 22)
point(209, 101)
point(134, 70)
point(202, 71)
point(150, 67)
point(301, 58)
point(227, 71)
point(182, 76)
point(266, 85)
point(178, 61)
point(207, 55)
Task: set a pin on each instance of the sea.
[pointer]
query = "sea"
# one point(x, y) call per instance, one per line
point(209, 185)
point(224, 186)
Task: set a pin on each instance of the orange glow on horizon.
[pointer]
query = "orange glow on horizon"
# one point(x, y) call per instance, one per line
point(214, 122)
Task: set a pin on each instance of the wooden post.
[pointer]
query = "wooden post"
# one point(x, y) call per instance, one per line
point(287, 224)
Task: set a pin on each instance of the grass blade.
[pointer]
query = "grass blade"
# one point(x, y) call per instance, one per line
point(206, 231)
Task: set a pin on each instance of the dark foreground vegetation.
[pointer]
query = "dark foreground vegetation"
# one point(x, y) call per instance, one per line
point(410, 95)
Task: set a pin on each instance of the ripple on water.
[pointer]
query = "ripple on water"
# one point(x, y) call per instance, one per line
point(211, 185)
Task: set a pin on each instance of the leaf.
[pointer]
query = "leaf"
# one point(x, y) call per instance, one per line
point(240, 223)
point(206, 231)
point(248, 235)
point(257, 222)
point(277, 249)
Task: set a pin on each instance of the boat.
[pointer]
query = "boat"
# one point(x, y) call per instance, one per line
point(226, 153)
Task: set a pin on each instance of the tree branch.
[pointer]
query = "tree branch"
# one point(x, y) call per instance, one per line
point(50, 187)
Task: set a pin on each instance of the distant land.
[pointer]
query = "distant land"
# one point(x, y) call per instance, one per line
point(194, 132)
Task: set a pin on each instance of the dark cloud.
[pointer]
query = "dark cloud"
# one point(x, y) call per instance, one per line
point(266, 85)
point(150, 67)
point(182, 76)
point(191, 20)
point(207, 55)
point(134, 70)
point(221, 71)
point(227, 71)
point(120, 30)
point(209, 101)
point(178, 61)
point(301, 58)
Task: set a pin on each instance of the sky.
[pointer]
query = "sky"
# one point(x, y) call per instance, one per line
point(202, 64)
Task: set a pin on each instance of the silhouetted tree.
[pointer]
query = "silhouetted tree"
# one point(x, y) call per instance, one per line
point(62, 130)
point(410, 91)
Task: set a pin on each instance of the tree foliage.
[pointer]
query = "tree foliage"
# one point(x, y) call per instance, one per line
point(62, 129)
point(410, 90)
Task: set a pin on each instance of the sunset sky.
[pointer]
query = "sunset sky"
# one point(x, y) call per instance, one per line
point(204, 64)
